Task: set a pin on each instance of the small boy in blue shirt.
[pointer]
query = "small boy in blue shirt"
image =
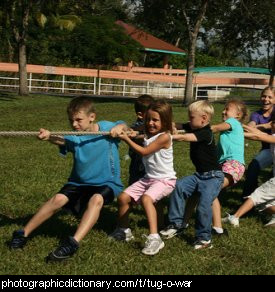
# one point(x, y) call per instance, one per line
point(206, 182)
point(136, 168)
point(94, 180)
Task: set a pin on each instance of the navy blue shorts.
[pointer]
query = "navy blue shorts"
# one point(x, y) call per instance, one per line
point(79, 196)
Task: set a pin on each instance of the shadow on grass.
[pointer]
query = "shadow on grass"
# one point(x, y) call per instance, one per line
point(8, 96)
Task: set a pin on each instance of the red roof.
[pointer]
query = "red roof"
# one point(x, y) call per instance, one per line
point(149, 42)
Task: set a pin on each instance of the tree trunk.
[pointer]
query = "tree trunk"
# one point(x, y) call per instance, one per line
point(23, 75)
point(271, 78)
point(193, 35)
point(188, 96)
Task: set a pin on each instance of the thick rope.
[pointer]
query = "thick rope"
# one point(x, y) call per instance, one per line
point(59, 133)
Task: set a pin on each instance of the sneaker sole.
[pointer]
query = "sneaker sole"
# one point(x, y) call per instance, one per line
point(204, 247)
point(126, 239)
point(52, 258)
point(160, 247)
point(171, 235)
point(270, 225)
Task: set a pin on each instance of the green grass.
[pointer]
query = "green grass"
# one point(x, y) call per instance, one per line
point(32, 171)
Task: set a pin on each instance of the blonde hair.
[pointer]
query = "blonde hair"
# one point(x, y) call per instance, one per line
point(202, 106)
point(241, 107)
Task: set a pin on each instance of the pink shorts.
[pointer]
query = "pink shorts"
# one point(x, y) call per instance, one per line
point(154, 188)
point(234, 168)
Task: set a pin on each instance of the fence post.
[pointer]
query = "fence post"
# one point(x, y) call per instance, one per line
point(216, 92)
point(170, 94)
point(63, 83)
point(196, 92)
point(94, 85)
point(124, 83)
point(99, 84)
point(147, 88)
point(30, 83)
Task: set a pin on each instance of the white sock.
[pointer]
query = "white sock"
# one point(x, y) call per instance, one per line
point(126, 230)
point(154, 235)
point(218, 229)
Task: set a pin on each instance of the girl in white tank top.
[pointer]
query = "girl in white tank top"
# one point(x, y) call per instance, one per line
point(160, 177)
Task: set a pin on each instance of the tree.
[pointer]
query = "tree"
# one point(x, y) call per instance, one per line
point(19, 12)
point(245, 27)
point(193, 24)
point(178, 22)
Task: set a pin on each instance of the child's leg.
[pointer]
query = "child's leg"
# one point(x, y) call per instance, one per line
point(244, 208)
point(151, 213)
point(45, 212)
point(209, 186)
point(89, 217)
point(124, 207)
point(160, 214)
point(216, 206)
point(190, 207)
point(185, 187)
point(270, 210)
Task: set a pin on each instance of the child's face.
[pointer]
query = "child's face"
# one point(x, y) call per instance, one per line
point(153, 122)
point(81, 121)
point(267, 100)
point(230, 111)
point(197, 120)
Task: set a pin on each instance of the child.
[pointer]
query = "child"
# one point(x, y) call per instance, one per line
point(206, 182)
point(136, 168)
point(159, 180)
point(263, 197)
point(94, 180)
point(261, 120)
point(230, 151)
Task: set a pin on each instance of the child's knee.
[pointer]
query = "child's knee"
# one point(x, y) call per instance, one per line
point(58, 201)
point(145, 199)
point(96, 200)
point(123, 199)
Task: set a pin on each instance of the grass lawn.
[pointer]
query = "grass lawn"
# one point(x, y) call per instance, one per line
point(32, 171)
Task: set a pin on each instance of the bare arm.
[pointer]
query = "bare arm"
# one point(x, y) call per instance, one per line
point(45, 135)
point(263, 127)
point(220, 127)
point(252, 124)
point(163, 141)
point(255, 134)
point(185, 137)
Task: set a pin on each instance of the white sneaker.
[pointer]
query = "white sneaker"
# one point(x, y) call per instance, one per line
point(201, 244)
point(121, 234)
point(152, 245)
point(231, 219)
point(173, 230)
point(271, 222)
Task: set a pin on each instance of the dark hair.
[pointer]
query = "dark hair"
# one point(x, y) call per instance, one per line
point(271, 88)
point(241, 108)
point(142, 103)
point(164, 110)
point(80, 103)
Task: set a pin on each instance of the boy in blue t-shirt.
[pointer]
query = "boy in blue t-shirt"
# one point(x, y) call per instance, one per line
point(94, 180)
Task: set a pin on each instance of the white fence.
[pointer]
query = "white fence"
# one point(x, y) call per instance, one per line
point(119, 87)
